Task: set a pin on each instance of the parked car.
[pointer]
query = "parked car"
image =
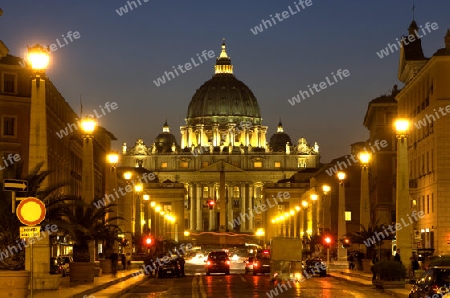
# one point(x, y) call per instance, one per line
point(171, 268)
point(217, 262)
point(63, 262)
point(434, 282)
point(315, 266)
point(261, 262)
point(249, 264)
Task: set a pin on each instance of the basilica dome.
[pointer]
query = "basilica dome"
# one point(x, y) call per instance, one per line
point(279, 139)
point(223, 98)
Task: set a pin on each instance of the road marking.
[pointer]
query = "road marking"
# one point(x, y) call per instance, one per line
point(198, 281)
point(202, 288)
point(243, 279)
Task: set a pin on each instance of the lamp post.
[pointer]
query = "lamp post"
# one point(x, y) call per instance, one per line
point(130, 212)
point(402, 236)
point(88, 125)
point(342, 253)
point(326, 189)
point(145, 219)
point(137, 202)
point(314, 198)
point(364, 213)
point(260, 233)
point(39, 59)
point(112, 158)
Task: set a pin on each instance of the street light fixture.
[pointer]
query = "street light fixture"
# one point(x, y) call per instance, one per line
point(364, 219)
point(342, 230)
point(325, 189)
point(88, 125)
point(402, 236)
point(39, 57)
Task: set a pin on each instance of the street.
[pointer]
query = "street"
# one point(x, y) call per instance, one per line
point(197, 284)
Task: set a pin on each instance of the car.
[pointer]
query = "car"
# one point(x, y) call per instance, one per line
point(261, 262)
point(249, 264)
point(315, 266)
point(217, 262)
point(63, 262)
point(434, 282)
point(170, 268)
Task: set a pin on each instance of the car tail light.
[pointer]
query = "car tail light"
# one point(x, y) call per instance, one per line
point(435, 288)
point(255, 264)
point(228, 262)
point(208, 263)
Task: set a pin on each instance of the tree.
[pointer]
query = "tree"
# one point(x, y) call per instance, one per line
point(371, 237)
point(86, 223)
point(12, 254)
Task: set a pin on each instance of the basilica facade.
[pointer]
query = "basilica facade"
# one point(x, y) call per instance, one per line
point(224, 158)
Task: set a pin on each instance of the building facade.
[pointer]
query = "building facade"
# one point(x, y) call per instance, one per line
point(224, 159)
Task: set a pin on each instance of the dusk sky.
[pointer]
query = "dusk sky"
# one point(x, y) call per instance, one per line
point(117, 58)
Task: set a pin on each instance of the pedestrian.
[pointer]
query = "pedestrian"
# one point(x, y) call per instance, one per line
point(114, 260)
point(414, 264)
point(397, 256)
point(124, 261)
point(182, 261)
point(351, 265)
point(375, 260)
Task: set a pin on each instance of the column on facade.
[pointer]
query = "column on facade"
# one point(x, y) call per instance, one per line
point(212, 212)
point(231, 127)
point(243, 195)
point(190, 137)
point(263, 136)
point(193, 206)
point(230, 204)
point(255, 137)
point(183, 137)
point(250, 205)
point(177, 228)
point(199, 207)
point(216, 135)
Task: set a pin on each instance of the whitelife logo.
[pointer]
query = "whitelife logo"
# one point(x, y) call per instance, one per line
point(280, 16)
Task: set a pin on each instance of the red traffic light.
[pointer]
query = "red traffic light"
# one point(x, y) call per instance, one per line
point(211, 204)
point(148, 241)
point(327, 240)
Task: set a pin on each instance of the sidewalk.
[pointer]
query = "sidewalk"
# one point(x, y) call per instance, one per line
point(364, 279)
point(119, 283)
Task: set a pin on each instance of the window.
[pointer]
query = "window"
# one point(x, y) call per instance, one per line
point(277, 164)
point(432, 202)
point(184, 164)
point(348, 215)
point(9, 126)
point(164, 165)
point(236, 192)
point(257, 164)
point(205, 192)
point(9, 83)
point(205, 164)
point(237, 164)
point(428, 204)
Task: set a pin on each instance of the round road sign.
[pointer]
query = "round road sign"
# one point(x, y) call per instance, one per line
point(31, 211)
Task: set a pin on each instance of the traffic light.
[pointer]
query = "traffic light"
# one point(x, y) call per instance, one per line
point(327, 241)
point(346, 242)
point(147, 241)
point(211, 204)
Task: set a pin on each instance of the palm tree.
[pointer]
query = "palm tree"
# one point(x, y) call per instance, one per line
point(14, 258)
point(85, 223)
point(374, 234)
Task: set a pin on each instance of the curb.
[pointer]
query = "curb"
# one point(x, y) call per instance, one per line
point(349, 281)
point(125, 290)
point(103, 286)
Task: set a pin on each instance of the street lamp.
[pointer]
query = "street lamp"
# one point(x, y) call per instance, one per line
point(364, 217)
point(325, 189)
point(402, 236)
point(88, 125)
point(39, 58)
point(314, 198)
point(260, 234)
point(145, 220)
point(112, 158)
point(137, 202)
point(342, 253)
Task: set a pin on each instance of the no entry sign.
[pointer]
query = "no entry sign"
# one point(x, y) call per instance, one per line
point(31, 211)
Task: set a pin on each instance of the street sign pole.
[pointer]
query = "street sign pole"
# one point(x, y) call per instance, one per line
point(13, 203)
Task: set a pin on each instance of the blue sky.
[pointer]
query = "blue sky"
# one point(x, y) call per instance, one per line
point(117, 58)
